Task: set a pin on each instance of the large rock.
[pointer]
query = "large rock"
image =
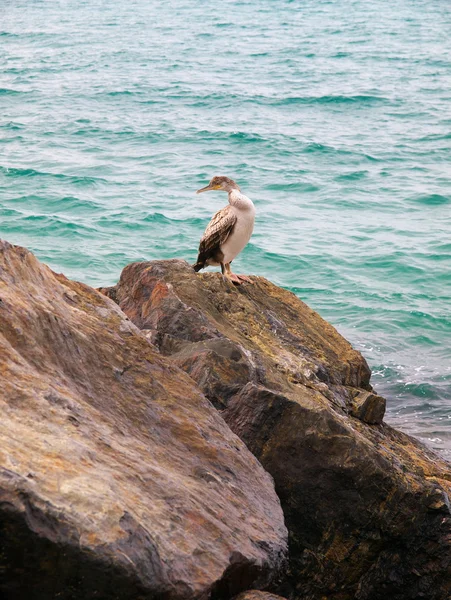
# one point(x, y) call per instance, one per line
point(366, 507)
point(118, 480)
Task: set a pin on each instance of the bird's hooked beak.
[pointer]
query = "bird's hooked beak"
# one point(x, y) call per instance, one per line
point(207, 188)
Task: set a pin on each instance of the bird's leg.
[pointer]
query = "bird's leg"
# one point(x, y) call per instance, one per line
point(231, 276)
point(234, 278)
point(225, 275)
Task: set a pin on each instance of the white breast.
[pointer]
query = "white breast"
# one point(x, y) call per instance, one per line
point(245, 212)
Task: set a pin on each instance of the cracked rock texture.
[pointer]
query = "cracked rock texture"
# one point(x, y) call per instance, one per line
point(118, 479)
point(366, 506)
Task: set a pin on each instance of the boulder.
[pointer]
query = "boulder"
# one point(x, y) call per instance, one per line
point(366, 506)
point(368, 407)
point(118, 479)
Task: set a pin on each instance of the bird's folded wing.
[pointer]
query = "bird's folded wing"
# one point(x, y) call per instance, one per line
point(217, 232)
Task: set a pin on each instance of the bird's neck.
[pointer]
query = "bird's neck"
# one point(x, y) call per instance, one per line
point(239, 200)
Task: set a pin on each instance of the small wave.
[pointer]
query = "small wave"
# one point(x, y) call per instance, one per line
point(123, 93)
point(9, 212)
point(352, 176)
point(85, 131)
point(49, 225)
point(73, 205)
point(441, 247)
point(56, 204)
point(432, 200)
point(158, 218)
point(314, 147)
point(317, 148)
point(10, 92)
point(422, 339)
point(298, 186)
point(12, 126)
point(246, 137)
point(421, 390)
point(18, 172)
point(336, 99)
point(435, 137)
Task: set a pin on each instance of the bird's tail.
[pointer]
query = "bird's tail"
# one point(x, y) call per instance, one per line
point(198, 266)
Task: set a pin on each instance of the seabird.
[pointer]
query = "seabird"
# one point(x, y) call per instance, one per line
point(229, 230)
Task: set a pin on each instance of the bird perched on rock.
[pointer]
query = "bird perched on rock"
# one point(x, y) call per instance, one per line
point(229, 230)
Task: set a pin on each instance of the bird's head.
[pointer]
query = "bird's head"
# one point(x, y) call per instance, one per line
point(220, 183)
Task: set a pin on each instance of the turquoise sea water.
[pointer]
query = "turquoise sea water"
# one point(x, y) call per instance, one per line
point(333, 115)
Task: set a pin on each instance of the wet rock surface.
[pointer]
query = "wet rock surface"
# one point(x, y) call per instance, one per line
point(366, 506)
point(118, 479)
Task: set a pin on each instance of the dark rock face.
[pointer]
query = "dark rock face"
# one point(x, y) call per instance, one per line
point(366, 507)
point(118, 479)
point(358, 508)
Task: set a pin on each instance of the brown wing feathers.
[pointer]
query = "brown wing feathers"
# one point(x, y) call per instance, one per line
point(217, 232)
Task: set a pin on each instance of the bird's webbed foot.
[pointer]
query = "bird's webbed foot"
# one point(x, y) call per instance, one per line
point(233, 278)
point(244, 279)
point(237, 279)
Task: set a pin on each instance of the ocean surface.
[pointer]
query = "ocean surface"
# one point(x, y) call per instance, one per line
point(334, 116)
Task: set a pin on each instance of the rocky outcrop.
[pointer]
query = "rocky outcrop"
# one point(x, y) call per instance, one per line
point(367, 507)
point(226, 336)
point(118, 479)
